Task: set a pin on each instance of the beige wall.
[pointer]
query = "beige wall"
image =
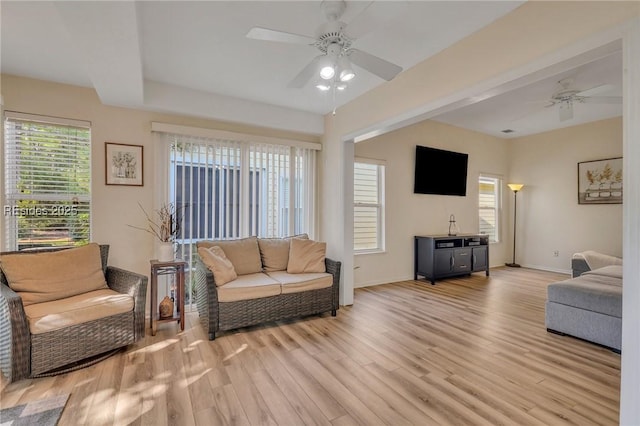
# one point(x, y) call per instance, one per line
point(114, 207)
point(549, 216)
point(534, 36)
point(408, 214)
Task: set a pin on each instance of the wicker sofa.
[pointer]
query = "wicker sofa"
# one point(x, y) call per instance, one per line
point(64, 327)
point(264, 289)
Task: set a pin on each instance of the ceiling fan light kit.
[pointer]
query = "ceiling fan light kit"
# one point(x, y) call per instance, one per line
point(334, 65)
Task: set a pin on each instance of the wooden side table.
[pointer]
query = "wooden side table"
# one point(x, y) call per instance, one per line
point(171, 267)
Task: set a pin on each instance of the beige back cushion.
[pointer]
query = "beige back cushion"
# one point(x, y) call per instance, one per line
point(275, 252)
point(42, 277)
point(306, 256)
point(217, 262)
point(243, 254)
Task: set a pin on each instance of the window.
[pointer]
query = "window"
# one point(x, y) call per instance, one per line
point(368, 207)
point(47, 180)
point(489, 207)
point(228, 189)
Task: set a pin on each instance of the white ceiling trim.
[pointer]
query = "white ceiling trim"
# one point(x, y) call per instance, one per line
point(103, 31)
point(226, 135)
point(175, 99)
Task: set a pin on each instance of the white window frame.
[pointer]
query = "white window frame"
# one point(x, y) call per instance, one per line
point(498, 207)
point(12, 193)
point(380, 234)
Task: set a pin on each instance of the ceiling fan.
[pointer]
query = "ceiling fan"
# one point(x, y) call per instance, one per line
point(567, 96)
point(334, 39)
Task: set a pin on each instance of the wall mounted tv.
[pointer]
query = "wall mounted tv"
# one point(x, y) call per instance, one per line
point(440, 172)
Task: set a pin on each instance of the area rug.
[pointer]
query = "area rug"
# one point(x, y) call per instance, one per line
point(43, 412)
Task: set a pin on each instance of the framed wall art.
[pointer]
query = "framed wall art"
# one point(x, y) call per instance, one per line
point(123, 164)
point(600, 181)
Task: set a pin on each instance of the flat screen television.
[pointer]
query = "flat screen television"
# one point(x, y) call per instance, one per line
point(440, 172)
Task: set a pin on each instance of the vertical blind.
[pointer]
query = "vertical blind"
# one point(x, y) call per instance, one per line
point(227, 189)
point(47, 181)
point(367, 210)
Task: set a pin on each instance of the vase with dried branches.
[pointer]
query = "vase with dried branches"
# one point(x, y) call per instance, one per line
point(165, 227)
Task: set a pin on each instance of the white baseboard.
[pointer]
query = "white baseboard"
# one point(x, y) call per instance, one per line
point(546, 268)
point(379, 282)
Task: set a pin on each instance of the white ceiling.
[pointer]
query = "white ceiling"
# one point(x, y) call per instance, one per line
point(193, 58)
point(526, 110)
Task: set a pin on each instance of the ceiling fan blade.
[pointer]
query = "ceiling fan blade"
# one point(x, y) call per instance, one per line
point(377, 13)
point(565, 111)
point(266, 34)
point(602, 100)
point(305, 75)
point(373, 64)
point(596, 90)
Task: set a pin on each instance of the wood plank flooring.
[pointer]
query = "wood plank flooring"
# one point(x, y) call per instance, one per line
point(472, 350)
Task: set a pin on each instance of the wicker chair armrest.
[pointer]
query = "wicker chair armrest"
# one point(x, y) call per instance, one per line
point(206, 296)
point(333, 267)
point(15, 340)
point(135, 285)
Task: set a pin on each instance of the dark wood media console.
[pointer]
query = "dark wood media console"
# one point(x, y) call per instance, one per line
point(442, 256)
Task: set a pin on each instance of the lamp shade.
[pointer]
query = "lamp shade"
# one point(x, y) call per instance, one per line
point(515, 187)
point(346, 71)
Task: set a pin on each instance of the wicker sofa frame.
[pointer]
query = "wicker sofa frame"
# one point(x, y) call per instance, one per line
point(222, 316)
point(23, 355)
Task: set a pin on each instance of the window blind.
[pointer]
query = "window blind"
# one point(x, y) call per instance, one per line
point(367, 211)
point(488, 207)
point(47, 182)
point(228, 189)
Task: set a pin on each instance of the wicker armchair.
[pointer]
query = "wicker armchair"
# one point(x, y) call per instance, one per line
point(220, 316)
point(26, 355)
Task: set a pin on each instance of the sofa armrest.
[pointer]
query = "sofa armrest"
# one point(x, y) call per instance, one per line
point(333, 267)
point(206, 298)
point(135, 285)
point(15, 340)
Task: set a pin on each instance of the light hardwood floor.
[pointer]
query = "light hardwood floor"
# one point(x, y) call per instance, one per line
point(472, 350)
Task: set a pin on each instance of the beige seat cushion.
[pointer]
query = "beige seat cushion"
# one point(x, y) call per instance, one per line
point(217, 262)
point(275, 252)
point(295, 283)
point(251, 286)
point(41, 277)
point(244, 254)
point(57, 314)
point(306, 256)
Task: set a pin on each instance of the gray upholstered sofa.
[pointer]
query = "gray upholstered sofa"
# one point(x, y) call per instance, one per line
point(588, 307)
point(589, 260)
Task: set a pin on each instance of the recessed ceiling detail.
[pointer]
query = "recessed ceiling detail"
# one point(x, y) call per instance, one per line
point(201, 47)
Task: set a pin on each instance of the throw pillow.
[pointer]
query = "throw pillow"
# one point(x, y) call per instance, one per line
point(42, 277)
point(217, 262)
point(306, 256)
point(275, 252)
point(244, 253)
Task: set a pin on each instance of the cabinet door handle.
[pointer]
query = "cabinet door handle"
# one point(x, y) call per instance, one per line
point(453, 261)
point(474, 259)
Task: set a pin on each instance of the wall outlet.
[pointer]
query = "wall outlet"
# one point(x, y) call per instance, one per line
point(556, 253)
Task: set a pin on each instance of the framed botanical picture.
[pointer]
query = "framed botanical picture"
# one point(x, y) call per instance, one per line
point(123, 164)
point(600, 181)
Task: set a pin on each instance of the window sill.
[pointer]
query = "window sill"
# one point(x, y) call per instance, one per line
point(363, 252)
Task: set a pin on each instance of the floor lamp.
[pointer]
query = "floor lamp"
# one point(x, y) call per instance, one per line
point(515, 187)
